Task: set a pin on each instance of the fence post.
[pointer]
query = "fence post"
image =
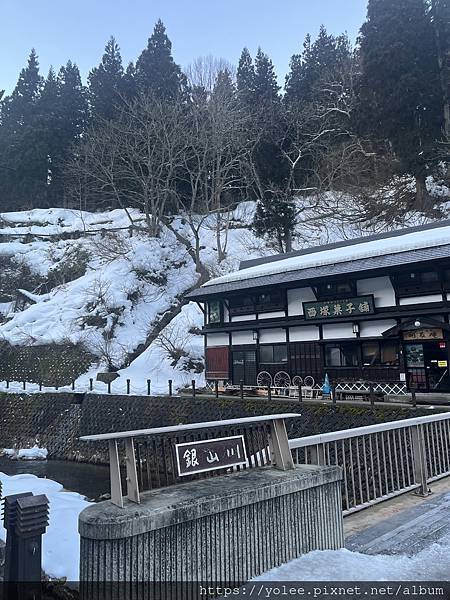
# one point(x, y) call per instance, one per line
point(269, 392)
point(24, 383)
point(241, 388)
point(371, 394)
point(73, 384)
point(216, 388)
point(300, 398)
point(128, 386)
point(193, 388)
point(149, 383)
point(109, 387)
point(91, 384)
point(419, 459)
point(170, 387)
point(7, 384)
point(40, 386)
point(333, 394)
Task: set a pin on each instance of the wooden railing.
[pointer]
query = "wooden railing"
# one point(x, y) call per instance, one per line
point(384, 460)
point(150, 457)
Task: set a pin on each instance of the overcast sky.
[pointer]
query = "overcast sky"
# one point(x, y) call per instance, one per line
point(78, 29)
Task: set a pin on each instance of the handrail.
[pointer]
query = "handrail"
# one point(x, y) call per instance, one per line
point(279, 452)
point(382, 461)
point(185, 427)
point(332, 436)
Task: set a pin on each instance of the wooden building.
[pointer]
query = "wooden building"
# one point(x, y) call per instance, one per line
point(375, 308)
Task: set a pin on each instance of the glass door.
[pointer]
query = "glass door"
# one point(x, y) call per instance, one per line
point(415, 365)
point(244, 367)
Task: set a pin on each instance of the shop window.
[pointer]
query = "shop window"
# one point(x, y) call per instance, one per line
point(341, 289)
point(214, 312)
point(341, 355)
point(375, 353)
point(417, 282)
point(241, 305)
point(273, 354)
point(269, 301)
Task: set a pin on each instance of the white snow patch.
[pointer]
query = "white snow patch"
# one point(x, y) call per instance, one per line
point(61, 542)
point(432, 564)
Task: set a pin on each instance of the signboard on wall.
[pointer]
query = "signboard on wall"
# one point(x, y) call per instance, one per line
point(329, 309)
point(209, 455)
point(434, 333)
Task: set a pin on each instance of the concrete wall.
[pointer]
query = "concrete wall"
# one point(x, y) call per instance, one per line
point(56, 420)
point(227, 529)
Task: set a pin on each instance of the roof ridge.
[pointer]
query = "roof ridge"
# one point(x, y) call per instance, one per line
point(254, 262)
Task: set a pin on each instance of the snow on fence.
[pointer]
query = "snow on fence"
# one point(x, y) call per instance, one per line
point(382, 461)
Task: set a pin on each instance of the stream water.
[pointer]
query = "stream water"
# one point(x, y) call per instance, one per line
point(90, 480)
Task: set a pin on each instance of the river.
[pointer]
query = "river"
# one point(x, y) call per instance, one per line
point(90, 480)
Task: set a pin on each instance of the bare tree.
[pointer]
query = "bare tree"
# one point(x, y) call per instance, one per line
point(133, 161)
point(203, 71)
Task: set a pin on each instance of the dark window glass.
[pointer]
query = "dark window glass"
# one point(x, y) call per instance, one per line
point(266, 354)
point(270, 301)
point(379, 353)
point(240, 305)
point(370, 353)
point(417, 282)
point(333, 355)
point(341, 355)
point(214, 311)
point(335, 289)
point(273, 354)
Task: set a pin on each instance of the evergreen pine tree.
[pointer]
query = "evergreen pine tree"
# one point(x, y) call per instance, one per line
point(106, 83)
point(23, 157)
point(156, 71)
point(245, 78)
point(266, 89)
point(400, 84)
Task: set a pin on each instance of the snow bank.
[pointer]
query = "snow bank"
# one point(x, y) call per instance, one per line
point(34, 453)
point(432, 564)
point(61, 542)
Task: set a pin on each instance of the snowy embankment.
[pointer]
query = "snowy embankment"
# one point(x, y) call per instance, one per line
point(61, 542)
point(114, 290)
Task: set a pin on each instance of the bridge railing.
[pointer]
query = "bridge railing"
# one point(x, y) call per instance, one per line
point(381, 461)
point(145, 459)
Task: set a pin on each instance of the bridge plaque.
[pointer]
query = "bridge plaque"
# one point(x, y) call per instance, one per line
point(209, 455)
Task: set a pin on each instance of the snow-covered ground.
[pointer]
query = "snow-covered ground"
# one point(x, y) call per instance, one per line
point(61, 542)
point(431, 564)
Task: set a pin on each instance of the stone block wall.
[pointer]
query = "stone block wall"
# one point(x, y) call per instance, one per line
point(55, 421)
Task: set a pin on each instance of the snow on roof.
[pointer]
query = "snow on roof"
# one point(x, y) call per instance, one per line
point(409, 240)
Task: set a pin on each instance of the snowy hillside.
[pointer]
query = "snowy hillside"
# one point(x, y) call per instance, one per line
point(99, 287)
point(89, 281)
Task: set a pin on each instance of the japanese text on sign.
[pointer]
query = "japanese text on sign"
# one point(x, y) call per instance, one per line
point(209, 455)
point(350, 307)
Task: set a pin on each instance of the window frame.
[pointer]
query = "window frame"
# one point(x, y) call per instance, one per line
point(263, 347)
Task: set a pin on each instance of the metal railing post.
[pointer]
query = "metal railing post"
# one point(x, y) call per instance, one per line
point(216, 388)
point(300, 399)
point(420, 459)
point(371, 394)
point(114, 474)
point(241, 389)
point(132, 479)
point(279, 445)
point(317, 454)
point(170, 387)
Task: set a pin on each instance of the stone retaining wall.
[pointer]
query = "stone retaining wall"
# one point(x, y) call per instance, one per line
point(55, 421)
